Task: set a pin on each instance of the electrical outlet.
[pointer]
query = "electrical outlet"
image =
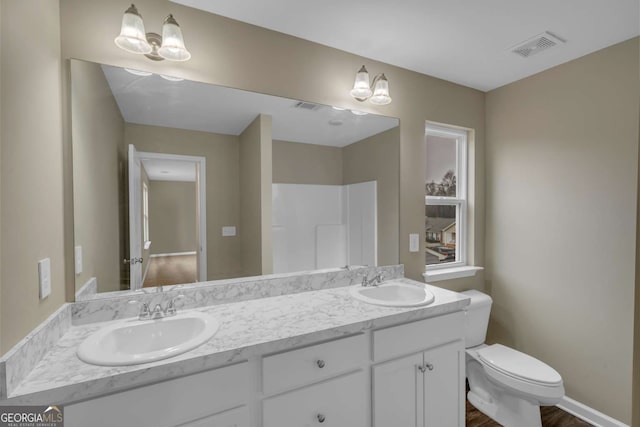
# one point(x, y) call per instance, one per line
point(44, 277)
point(229, 231)
point(78, 258)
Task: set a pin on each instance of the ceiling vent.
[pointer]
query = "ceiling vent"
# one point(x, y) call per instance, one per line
point(307, 106)
point(536, 44)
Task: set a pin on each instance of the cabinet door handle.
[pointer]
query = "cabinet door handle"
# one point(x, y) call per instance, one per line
point(321, 418)
point(320, 364)
point(423, 368)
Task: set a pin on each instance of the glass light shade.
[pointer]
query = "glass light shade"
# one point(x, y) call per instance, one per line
point(171, 78)
point(361, 89)
point(132, 36)
point(138, 72)
point(381, 92)
point(172, 42)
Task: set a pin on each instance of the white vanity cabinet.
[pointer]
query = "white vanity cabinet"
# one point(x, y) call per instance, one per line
point(406, 375)
point(212, 398)
point(327, 383)
point(339, 402)
point(425, 388)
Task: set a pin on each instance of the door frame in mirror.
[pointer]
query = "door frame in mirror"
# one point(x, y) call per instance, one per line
point(201, 202)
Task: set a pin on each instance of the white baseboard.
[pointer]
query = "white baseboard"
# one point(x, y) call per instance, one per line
point(590, 415)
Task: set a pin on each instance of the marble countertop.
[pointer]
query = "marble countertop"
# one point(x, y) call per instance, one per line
point(247, 328)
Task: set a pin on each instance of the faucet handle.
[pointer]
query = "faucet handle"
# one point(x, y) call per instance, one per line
point(171, 307)
point(145, 312)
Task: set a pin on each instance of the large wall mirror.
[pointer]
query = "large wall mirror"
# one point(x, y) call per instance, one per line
point(179, 182)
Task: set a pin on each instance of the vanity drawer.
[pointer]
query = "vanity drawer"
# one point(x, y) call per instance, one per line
point(339, 402)
point(306, 365)
point(401, 340)
point(237, 417)
point(167, 403)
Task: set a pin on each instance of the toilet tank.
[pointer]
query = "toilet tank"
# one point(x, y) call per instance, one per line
point(477, 318)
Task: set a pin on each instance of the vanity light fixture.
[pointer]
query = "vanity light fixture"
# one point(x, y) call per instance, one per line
point(134, 39)
point(377, 93)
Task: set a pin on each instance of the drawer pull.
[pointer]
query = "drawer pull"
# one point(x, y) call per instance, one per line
point(320, 363)
point(321, 418)
point(429, 366)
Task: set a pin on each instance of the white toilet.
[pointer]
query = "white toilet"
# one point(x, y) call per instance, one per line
point(505, 384)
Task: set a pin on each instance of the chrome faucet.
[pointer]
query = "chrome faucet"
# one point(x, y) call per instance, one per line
point(158, 311)
point(374, 281)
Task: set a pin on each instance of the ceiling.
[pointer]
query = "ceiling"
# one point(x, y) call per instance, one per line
point(170, 170)
point(154, 101)
point(462, 41)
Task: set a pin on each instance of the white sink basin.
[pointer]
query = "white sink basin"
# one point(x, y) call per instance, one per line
point(393, 294)
point(130, 342)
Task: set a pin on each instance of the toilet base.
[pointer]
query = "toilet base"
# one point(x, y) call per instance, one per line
point(506, 408)
point(511, 412)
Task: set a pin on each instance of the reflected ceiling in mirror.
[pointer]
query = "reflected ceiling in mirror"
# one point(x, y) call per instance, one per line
point(214, 165)
point(155, 101)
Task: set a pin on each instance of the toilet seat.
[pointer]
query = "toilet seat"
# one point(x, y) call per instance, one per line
point(519, 366)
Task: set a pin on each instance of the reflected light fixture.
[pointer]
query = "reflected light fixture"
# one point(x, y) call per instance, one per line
point(134, 39)
point(377, 93)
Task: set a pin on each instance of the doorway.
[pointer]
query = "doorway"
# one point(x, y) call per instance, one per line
point(170, 210)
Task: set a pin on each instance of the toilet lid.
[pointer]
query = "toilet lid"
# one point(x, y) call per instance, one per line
point(519, 365)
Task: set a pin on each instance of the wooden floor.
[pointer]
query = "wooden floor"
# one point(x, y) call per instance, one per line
point(551, 417)
point(171, 270)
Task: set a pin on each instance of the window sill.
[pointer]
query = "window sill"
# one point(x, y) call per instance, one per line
point(450, 273)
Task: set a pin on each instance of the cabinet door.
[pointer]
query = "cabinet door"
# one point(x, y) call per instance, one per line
point(341, 402)
point(444, 386)
point(165, 404)
point(238, 417)
point(398, 392)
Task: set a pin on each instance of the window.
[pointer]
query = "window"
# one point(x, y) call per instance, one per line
point(445, 197)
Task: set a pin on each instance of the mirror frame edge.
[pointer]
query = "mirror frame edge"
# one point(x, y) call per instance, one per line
point(67, 185)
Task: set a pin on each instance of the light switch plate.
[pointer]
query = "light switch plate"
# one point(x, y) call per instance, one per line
point(229, 231)
point(78, 258)
point(44, 277)
point(414, 242)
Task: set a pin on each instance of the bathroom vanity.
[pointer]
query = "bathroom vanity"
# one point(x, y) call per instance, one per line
point(319, 357)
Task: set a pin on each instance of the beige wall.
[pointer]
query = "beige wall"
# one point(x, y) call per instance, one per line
point(172, 217)
point(377, 158)
point(221, 154)
point(1, 139)
point(562, 162)
point(98, 143)
point(297, 163)
point(255, 197)
point(31, 170)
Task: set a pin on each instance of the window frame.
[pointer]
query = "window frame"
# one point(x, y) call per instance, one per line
point(460, 201)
